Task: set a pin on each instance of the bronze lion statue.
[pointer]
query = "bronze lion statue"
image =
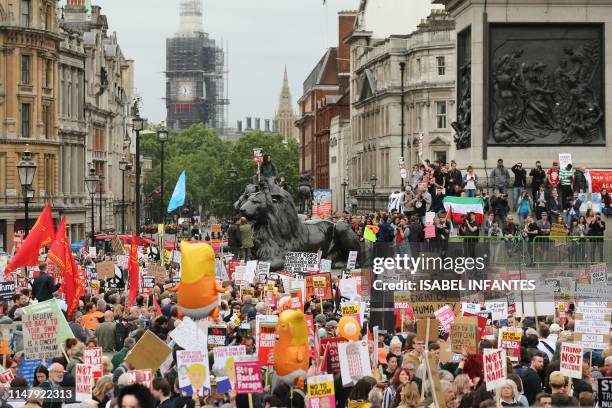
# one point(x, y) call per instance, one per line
point(278, 229)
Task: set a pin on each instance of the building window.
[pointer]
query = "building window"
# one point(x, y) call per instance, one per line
point(49, 175)
point(98, 139)
point(441, 66)
point(100, 171)
point(48, 74)
point(48, 18)
point(25, 120)
point(418, 66)
point(25, 13)
point(47, 122)
point(419, 116)
point(441, 114)
point(441, 156)
point(25, 69)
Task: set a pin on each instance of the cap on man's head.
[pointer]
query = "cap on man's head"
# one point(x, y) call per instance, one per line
point(555, 163)
point(556, 379)
point(554, 328)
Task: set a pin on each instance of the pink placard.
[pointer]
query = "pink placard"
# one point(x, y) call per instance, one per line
point(248, 377)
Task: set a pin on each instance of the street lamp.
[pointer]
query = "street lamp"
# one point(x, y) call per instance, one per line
point(91, 182)
point(373, 181)
point(162, 134)
point(402, 124)
point(100, 188)
point(137, 126)
point(232, 173)
point(26, 169)
point(344, 185)
point(124, 166)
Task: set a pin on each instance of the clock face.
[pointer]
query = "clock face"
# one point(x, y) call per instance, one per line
point(185, 90)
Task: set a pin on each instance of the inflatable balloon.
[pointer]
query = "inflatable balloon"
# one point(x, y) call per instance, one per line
point(348, 327)
point(197, 292)
point(291, 351)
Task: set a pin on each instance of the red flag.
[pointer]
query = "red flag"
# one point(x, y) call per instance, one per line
point(158, 311)
point(134, 272)
point(40, 235)
point(61, 255)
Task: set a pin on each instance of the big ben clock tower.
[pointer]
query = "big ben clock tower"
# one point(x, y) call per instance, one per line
point(195, 74)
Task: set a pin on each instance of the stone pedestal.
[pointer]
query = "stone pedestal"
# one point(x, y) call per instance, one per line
point(533, 80)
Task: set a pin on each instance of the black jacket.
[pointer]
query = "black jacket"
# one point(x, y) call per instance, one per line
point(233, 236)
point(43, 287)
point(580, 181)
point(520, 176)
point(532, 384)
point(538, 176)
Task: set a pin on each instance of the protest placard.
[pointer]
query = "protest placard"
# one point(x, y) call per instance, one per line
point(266, 343)
point(495, 368)
point(149, 352)
point(510, 340)
point(351, 309)
point(319, 286)
point(122, 261)
point(93, 357)
point(194, 373)
point(321, 391)
point(249, 271)
point(498, 309)
point(263, 268)
point(446, 316)
point(143, 376)
point(105, 270)
point(571, 360)
point(93, 252)
point(148, 283)
point(27, 369)
point(425, 303)
point(248, 377)
point(41, 335)
point(604, 392)
point(333, 357)
point(464, 335)
point(354, 361)
point(157, 271)
point(222, 354)
point(348, 289)
point(598, 273)
point(298, 263)
point(216, 336)
point(189, 336)
point(7, 290)
point(352, 260)
point(325, 265)
point(117, 246)
point(84, 382)
point(428, 330)
point(6, 338)
point(7, 376)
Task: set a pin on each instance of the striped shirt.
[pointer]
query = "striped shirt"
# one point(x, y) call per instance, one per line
point(565, 177)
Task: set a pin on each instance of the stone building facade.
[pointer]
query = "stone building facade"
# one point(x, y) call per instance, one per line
point(284, 120)
point(429, 95)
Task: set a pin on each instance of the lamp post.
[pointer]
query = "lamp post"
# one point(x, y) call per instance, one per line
point(162, 134)
point(373, 181)
point(124, 166)
point(344, 185)
point(232, 174)
point(100, 190)
point(137, 126)
point(26, 169)
point(91, 182)
point(402, 124)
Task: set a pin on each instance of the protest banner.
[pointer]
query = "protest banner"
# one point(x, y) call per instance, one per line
point(571, 360)
point(352, 260)
point(319, 286)
point(354, 361)
point(7, 290)
point(223, 354)
point(510, 340)
point(84, 382)
point(143, 376)
point(298, 263)
point(248, 377)
point(464, 335)
point(446, 317)
point(149, 352)
point(321, 391)
point(331, 344)
point(425, 303)
point(93, 356)
point(604, 392)
point(266, 343)
point(428, 330)
point(194, 373)
point(189, 336)
point(495, 368)
point(105, 270)
point(216, 336)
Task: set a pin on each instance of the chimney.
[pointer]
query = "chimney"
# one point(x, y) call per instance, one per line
point(248, 127)
point(240, 126)
point(267, 130)
point(257, 123)
point(346, 21)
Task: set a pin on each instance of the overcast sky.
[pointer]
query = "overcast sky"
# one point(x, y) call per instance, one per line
point(262, 36)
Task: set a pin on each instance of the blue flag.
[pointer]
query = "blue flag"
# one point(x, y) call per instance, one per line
point(178, 197)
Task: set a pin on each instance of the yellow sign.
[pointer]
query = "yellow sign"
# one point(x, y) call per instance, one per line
point(350, 310)
point(322, 389)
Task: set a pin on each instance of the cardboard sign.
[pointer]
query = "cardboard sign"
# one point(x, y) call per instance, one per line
point(352, 260)
point(425, 303)
point(189, 336)
point(298, 263)
point(117, 246)
point(223, 354)
point(93, 356)
point(494, 368)
point(446, 317)
point(194, 373)
point(427, 334)
point(464, 335)
point(216, 336)
point(319, 286)
point(354, 361)
point(571, 360)
point(105, 270)
point(157, 271)
point(321, 391)
point(7, 290)
point(331, 345)
point(144, 377)
point(510, 340)
point(84, 382)
point(265, 343)
point(248, 377)
point(604, 392)
point(149, 352)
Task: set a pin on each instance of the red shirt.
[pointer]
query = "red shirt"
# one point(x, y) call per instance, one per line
point(552, 177)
